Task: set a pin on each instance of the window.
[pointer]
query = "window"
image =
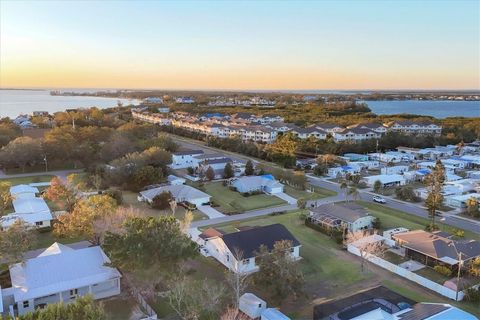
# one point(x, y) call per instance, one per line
point(39, 223)
point(228, 257)
point(73, 293)
point(292, 250)
point(246, 261)
point(26, 304)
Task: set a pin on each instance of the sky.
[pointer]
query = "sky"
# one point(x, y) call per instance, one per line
point(264, 45)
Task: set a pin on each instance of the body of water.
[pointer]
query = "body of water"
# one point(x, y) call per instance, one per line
point(436, 108)
point(15, 102)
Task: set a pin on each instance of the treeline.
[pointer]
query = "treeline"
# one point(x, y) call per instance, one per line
point(85, 147)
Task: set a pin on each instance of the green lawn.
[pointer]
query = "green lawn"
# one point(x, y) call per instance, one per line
point(394, 258)
point(46, 238)
point(27, 180)
point(392, 218)
point(317, 193)
point(233, 202)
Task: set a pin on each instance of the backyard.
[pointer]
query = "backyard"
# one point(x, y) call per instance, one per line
point(229, 201)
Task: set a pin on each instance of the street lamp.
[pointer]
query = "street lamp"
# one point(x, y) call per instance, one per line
point(460, 262)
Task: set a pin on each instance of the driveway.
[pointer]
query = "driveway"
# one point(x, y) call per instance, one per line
point(211, 212)
point(285, 197)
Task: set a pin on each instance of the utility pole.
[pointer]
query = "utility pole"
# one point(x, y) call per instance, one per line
point(46, 162)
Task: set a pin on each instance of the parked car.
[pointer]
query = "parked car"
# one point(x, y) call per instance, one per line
point(379, 199)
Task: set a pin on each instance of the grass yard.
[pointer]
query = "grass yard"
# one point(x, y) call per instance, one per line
point(130, 199)
point(233, 202)
point(394, 258)
point(329, 270)
point(317, 193)
point(431, 274)
point(46, 238)
point(27, 180)
point(392, 218)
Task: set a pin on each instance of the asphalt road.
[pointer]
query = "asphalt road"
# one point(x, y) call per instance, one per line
point(410, 208)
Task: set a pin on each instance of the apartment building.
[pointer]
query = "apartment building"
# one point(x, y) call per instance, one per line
point(412, 127)
point(355, 134)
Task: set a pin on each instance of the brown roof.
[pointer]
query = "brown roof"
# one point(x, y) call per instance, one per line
point(210, 233)
point(438, 245)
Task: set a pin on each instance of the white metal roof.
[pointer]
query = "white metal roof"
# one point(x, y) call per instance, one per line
point(29, 218)
point(179, 192)
point(22, 188)
point(60, 268)
point(30, 205)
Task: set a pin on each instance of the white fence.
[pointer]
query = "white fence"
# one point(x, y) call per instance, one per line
point(438, 288)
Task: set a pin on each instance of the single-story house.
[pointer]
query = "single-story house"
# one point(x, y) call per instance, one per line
point(237, 250)
point(181, 193)
point(355, 157)
point(394, 170)
point(23, 191)
point(343, 170)
point(185, 159)
point(273, 314)
point(460, 201)
point(218, 165)
point(174, 180)
point(59, 274)
point(387, 180)
point(335, 215)
point(437, 248)
point(265, 183)
point(34, 212)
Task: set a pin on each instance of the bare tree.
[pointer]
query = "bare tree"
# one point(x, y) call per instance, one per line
point(190, 298)
point(173, 206)
point(114, 222)
point(237, 280)
point(96, 181)
point(366, 248)
point(187, 221)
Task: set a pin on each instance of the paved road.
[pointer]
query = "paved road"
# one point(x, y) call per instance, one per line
point(411, 208)
point(243, 216)
point(62, 174)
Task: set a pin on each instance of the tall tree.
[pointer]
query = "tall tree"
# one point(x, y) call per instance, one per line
point(249, 170)
point(210, 174)
point(162, 200)
point(228, 171)
point(21, 152)
point(278, 272)
point(15, 241)
point(377, 186)
point(64, 193)
point(354, 193)
point(147, 241)
point(5, 197)
point(434, 182)
point(86, 212)
point(344, 187)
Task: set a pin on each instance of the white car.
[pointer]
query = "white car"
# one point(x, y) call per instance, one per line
point(379, 199)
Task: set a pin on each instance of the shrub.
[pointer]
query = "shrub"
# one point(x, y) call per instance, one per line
point(162, 201)
point(472, 294)
point(443, 270)
point(115, 194)
point(337, 235)
point(190, 170)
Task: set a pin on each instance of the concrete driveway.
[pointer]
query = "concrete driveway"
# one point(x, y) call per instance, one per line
point(211, 212)
point(285, 197)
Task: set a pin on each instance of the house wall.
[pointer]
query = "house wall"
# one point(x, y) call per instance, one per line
point(362, 223)
point(183, 161)
point(98, 291)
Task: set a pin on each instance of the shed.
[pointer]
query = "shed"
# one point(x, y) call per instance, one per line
point(252, 305)
point(273, 314)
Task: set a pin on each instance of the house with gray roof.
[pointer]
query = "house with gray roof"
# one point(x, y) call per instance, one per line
point(437, 248)
point(181, 193)
point(341, 215)
point(237, 250)
point(265, 183)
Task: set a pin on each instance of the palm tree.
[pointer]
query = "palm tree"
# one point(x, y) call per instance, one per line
point(344, 186)
point(354, 193)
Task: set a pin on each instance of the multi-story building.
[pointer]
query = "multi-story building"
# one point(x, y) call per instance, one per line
point(355, 135)
point(412, 127)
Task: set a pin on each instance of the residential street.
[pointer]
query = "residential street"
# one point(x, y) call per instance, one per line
point(410, 208)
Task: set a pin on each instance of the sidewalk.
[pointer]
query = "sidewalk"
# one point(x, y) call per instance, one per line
point(58, 173)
